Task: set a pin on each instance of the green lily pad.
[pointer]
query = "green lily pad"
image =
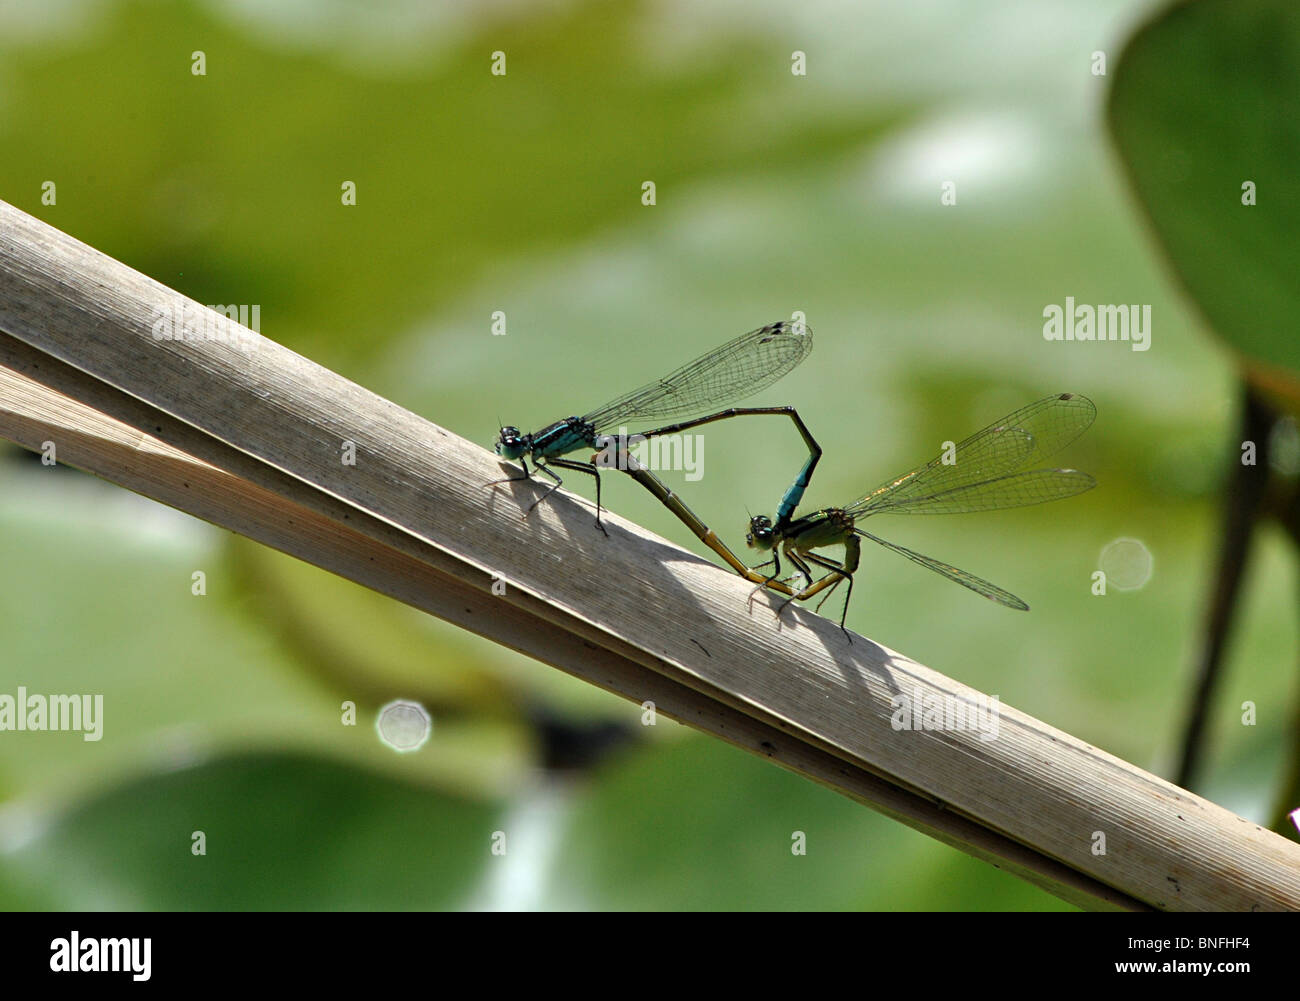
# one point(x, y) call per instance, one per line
point(280, 832)
point(1205, 111)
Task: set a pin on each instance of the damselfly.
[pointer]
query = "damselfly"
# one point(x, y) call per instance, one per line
point(986, 472)
point(737, 369)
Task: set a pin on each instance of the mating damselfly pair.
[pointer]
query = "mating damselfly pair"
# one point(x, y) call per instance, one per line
point(988, 471)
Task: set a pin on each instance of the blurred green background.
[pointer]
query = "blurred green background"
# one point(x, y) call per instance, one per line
point(522, 193)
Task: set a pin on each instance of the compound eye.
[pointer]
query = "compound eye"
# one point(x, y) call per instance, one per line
point(509, 443)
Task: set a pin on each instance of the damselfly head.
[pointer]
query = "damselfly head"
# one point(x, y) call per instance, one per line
point(759, 535)
point(510, 443)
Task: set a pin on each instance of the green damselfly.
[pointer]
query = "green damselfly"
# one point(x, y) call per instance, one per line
point(737, 369)
point(985, 472)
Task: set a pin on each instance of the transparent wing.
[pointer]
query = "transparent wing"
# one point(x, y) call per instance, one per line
point(737, 369)
point(981, 477)
point(977, 584)
point(1036, 486)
